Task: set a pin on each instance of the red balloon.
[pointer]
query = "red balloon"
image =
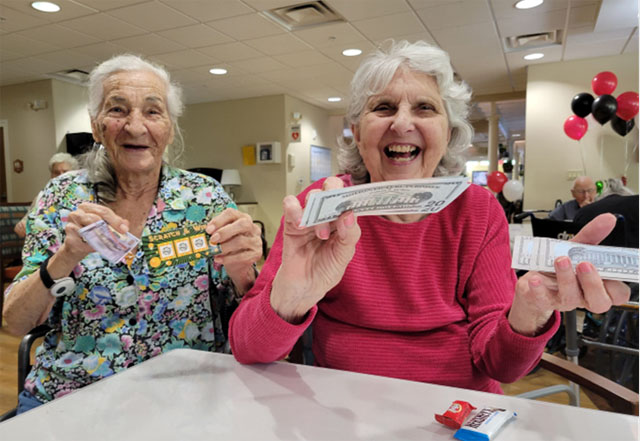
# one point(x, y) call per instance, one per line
point(575, 127)
point(627, 105)
point(496, 180)
point(604, 83)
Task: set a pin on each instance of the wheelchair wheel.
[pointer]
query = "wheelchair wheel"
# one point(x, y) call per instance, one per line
point(619, 328)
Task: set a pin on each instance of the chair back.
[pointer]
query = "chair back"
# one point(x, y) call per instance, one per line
point(553, 228)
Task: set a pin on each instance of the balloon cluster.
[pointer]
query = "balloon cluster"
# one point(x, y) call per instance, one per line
point(499, 182)
point(620, 111)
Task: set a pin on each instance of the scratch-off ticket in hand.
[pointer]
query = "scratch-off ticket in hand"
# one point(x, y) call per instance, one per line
point(178, 246)
point(111, 244)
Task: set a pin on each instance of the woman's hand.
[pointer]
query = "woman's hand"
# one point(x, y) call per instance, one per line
point(241, 245)
point(74, 247)
point(314, 259)
point(539, 294)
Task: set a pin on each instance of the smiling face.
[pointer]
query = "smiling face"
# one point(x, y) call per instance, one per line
point(403, 131)
point(133, 122)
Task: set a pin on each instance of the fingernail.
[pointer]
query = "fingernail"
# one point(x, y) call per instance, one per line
point(324, 233)
point(585, 267)
point(564, 263)
point(350, 220)
point(124, 227)
point(215, 238)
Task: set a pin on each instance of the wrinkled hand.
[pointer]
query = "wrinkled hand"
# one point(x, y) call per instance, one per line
point(86, 214)
point(314, 259)
point(241, 245)
point(539, 294)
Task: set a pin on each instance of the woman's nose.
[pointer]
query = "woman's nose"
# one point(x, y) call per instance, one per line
point(135, 123)
point(403, 120)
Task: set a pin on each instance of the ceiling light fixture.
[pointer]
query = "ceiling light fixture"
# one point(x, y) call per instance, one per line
point(45, 6)
point(516, 135)
point(351, 52)
point(218, 71)
point(334, 99)
point(528, 4)
point(534, 56)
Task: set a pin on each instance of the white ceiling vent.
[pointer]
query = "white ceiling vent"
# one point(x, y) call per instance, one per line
point(303, 15)
point(530, 41)
point(75, 76)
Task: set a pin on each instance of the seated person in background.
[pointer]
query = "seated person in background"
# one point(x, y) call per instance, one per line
point(428, 298)
point(616, 199)
point(118, 315)
point(58, 164)
point(583, 192)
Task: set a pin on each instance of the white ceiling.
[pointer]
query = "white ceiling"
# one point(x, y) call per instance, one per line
point(191, 36)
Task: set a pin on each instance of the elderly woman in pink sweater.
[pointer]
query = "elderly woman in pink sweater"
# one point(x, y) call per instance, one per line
point(428, 298)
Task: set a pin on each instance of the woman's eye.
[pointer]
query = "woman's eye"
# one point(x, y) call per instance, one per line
point(116, 109)
point(426, 106)
point(382, 107)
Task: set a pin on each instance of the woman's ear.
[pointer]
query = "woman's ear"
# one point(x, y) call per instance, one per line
point(95, 131)
point(356, 133)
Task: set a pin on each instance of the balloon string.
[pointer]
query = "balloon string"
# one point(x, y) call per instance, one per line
point(601, 155)
point(582, 158)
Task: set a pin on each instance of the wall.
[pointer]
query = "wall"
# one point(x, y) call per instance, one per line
point(550, 153)
point(315, 130)
point(214, 135)
point(70, 102)
point(32, 137)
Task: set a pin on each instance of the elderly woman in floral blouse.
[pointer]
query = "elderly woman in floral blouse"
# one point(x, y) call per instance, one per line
point(107, 316)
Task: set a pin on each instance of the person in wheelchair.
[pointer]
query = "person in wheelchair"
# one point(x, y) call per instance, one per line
point(583, 192)
point(429, 298)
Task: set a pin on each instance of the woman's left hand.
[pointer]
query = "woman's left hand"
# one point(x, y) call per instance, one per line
point(539, 294)
point(241, 244)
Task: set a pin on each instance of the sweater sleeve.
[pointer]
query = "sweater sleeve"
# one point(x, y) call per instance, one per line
point(257, 334)
point(496, 348)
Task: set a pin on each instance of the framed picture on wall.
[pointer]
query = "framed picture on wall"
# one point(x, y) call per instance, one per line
point(268, 152)
point(320, 162)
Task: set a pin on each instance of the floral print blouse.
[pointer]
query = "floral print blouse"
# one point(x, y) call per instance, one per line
point(122, 314)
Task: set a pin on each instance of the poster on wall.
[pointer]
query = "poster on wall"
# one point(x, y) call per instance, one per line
point(320, 162)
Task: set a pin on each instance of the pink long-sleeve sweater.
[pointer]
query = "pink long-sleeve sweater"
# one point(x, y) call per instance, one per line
point(425, 301)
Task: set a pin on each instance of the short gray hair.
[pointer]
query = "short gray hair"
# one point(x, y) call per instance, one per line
point(376, 72)
point(63, 157)
point(96, 161)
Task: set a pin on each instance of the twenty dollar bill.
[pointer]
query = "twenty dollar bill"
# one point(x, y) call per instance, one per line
point(383, 198)
point(538, 254)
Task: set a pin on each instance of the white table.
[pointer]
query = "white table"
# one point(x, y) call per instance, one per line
point(193, 395)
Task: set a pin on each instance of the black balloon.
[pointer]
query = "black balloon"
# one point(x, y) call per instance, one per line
point(604, 107)
point(620, 126)
point(581, 104)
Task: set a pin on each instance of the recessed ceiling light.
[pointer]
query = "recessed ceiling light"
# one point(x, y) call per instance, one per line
point(516, 135)
point(528, 4)
point(534, 56)
point(45, 6)
point(218, 71)
point(334, 99)
point(351, 52)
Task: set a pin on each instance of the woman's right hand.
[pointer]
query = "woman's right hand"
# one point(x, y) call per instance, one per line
point(74, 248)
point(314, 259)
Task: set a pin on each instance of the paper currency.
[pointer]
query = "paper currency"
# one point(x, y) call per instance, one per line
point(382, 198)
point(539, 253)
point(111, 244)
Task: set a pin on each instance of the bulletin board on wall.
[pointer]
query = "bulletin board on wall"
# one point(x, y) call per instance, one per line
point(320, 162)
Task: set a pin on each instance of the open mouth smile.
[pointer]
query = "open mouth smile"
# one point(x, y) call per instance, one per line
point(401, 152)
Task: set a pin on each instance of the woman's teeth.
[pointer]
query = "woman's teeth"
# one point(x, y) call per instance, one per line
point(402, 153)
